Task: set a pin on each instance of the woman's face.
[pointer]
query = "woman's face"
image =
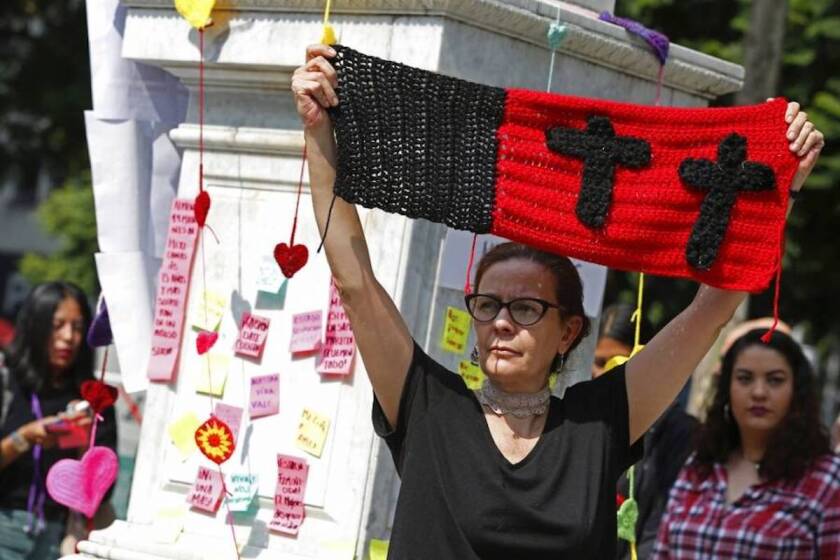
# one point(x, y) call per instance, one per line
point(67, 332)
point(606, 349)
point(761, 389)
point(518, 358)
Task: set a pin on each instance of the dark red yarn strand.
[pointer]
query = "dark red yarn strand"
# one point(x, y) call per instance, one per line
point(297, 202)
point(467, 286)
point(201, 110)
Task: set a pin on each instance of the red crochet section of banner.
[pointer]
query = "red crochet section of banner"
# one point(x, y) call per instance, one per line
point(652, 211)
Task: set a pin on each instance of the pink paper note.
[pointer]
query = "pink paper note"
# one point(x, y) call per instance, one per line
point(173, 285)
point(206, 491)
point(230, 415)
point(289, 510)
point(306, 332)
point(252, 335)
point(339, 345)
point(265, 395)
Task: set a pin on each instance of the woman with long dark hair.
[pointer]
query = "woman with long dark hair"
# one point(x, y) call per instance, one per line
point(46, 364)
point(762, 482)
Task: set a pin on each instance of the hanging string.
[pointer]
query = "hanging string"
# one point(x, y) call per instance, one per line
point(201, 110)
point(297, 201)
point(637, 315)
point(467, 283)
point(327, 225)
point(556, 34)
point(777, 289)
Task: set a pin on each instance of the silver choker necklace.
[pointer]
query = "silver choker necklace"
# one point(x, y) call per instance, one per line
point(520, 405)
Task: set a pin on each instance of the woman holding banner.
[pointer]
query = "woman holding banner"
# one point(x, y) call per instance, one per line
point(507, 471)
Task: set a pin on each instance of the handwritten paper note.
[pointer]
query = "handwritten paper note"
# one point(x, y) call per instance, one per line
point(339, 346)
point(212, 374)
point(312, 432)
point(269, 278)
point(289, 510)
point(206, 491)
point(456, 330)
point(182, 434)
point(272, 300)
point(265, 395)
point(242, 488)
point(471, 374)
point(207, 310)
point(173, 286)
point(252, 335)
point(230, 415)
point(306, 332)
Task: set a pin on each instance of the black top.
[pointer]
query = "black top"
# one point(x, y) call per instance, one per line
point(462, 499)
point(16, 478)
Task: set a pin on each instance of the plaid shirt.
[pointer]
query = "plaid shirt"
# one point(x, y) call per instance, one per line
point(771, 520)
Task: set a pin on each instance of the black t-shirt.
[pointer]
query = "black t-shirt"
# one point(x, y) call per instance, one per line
point(16, 478)
point(462, 499)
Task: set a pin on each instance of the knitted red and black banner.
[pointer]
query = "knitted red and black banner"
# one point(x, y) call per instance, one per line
point(695, 193)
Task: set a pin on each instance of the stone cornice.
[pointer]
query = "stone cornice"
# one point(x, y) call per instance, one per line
point(527, 20)
point(240, 140)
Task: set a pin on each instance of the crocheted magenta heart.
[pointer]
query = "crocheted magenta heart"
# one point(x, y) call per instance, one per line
point(202, 207)
point(98, 394)
point(81, 485)
point(291, 259)
point(205, 341)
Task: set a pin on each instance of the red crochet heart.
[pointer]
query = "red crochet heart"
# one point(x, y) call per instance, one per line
point(205, 341)
point(98, 394)
point(202, 207)
point(291, 259)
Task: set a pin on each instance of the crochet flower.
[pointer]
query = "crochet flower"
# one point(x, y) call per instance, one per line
point(215, 440)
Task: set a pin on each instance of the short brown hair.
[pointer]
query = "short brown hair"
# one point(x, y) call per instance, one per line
point(568, 287)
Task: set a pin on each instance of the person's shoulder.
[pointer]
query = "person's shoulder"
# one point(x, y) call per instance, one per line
point(824, 472)
point(434, 371)
point(693, 475)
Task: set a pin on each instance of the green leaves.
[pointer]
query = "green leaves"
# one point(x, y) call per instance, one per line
point(68, 214)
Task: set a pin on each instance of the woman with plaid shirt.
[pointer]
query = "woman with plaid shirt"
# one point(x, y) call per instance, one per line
point(763, 483)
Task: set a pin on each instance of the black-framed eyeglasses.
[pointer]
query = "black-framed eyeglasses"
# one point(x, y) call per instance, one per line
point(523, 311)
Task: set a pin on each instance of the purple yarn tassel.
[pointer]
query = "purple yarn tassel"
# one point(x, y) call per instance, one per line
point(658, 42)
point(99, 333)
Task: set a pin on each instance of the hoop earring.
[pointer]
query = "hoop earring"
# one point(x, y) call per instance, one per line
point(560, 364)
point(474, 356)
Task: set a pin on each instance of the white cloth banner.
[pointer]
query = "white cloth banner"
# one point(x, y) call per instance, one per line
point(135, 169)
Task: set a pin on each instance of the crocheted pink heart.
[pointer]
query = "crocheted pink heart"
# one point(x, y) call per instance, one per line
point(291, 259)
point(205, 341)
point(81, 485)
point(202, 207)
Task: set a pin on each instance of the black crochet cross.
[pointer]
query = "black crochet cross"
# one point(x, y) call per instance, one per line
point(723, 181)
point(601, 150)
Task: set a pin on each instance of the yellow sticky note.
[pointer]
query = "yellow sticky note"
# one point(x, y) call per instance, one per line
point(472, 375)
point(456, 330)
point(196, 12)
point(182, 434)
point(212, 374)
point(378, 549)
point(207, 310)
point(168, 523)
point(312, 432)
point(338, 550)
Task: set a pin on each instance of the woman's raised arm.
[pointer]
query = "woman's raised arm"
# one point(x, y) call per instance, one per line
point(656, 375)
point(384, 342)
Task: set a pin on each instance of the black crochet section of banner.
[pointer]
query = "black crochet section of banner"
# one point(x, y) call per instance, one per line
point(430, 155)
